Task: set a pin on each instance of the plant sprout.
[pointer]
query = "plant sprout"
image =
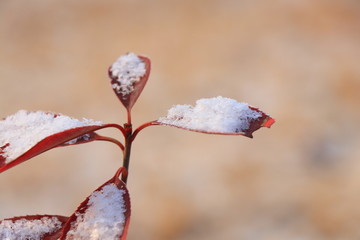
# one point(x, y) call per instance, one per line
point(105, 213)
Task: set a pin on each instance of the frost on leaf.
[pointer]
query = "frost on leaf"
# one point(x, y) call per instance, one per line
point(27, 134)
point(105, 214)
point(217, 115)
point(129, 74)
point(32, 227)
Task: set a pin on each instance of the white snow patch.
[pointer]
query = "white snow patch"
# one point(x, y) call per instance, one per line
point(24, 229)
point(219, 114)
point(24, 129)
point(104, 219)
point(127, 69)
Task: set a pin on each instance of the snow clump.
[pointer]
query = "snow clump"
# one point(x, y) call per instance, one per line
point(213, 115)
point(125, 72)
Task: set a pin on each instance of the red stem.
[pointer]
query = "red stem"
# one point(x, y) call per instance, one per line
point(121, 171)
point(129, 138)
point(128, 116)
point(127, 150)
point(109, 139)
point(141, 127)
point(122, 130)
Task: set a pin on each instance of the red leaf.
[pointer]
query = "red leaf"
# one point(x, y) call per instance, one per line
point(105, 214)
point(218, 115)
point(42, 227)
point(129, 75)
point(55, 140)
point(40, 132)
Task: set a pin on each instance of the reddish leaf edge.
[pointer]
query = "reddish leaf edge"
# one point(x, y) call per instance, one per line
point(55, 140)
point(49, 236)
point(37, 216)
point(83, 206)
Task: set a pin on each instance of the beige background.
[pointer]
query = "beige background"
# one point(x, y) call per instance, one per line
point(296, 60)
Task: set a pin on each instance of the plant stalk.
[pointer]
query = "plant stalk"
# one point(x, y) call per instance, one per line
point(127, 151)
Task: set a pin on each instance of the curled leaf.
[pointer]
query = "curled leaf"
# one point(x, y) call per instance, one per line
point(129, 74)
point(217, 115)
point(105, 214)
point(42, 227)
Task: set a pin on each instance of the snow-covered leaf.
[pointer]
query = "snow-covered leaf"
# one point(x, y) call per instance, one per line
point(36, 227)
point(27, 134)
point(105, 214)
point(217, 115)
point(129, 74)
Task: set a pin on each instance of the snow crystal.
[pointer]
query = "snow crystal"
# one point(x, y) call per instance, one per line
point(24, 229)
point(127, 69)
point(219, 114)
point(21, 131)
point(103, 219)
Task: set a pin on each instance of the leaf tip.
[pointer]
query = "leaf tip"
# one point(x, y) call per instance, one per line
point(268, 122)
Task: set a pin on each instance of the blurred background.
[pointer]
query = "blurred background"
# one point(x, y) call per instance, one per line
point(296, 60)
